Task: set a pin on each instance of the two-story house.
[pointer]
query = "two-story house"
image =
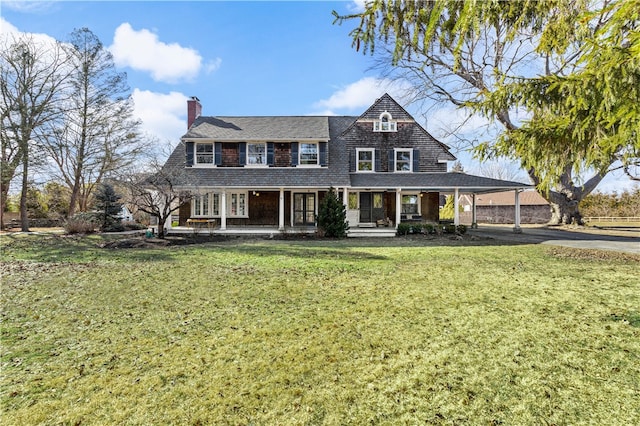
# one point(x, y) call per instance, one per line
point(269, 173)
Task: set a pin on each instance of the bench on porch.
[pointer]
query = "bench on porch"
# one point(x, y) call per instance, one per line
point(198, 222)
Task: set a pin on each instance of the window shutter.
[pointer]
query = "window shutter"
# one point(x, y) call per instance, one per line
point(391, 161)
point(323, 153)
point(352, 161)
point(242, 153)
point(270, 155)
point(189, 153)
point(416, 160)
point(377, 167)
point(294, 153)
point(218, 154)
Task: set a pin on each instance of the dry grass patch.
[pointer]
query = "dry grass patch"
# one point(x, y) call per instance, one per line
point(317, 332)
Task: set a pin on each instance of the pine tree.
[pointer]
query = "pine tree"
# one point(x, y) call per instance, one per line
point(332, 216)
point(107, 203)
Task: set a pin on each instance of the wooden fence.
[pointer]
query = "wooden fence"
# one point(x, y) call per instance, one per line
point(611, 219)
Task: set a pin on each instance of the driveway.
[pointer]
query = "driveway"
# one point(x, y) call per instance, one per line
point(622, 240)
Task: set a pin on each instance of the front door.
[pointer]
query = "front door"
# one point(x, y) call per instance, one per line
point(304, 209)
point(371, 206)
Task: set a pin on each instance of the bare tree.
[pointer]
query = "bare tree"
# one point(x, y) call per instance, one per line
point(33, 79)
point(155, 191)
point(97, 134)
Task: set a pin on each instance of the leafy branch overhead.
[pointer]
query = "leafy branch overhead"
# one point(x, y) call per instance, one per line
point(561, 79)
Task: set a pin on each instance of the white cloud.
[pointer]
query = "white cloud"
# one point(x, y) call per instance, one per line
point(6, 27)
point(143, 51)
point(163, 115)
point(213, 65)
point(356, 6)
point(361, 94)
point(28, 6)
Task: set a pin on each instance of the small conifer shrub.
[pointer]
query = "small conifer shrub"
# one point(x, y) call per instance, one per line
point(332, 216)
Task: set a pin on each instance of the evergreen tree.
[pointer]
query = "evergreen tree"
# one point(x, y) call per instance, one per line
point(332, 216)
point(107, 203)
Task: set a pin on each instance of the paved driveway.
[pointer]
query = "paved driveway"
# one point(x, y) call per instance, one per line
point(627, 241)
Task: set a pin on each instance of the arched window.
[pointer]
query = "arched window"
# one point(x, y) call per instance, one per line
point(384, 124)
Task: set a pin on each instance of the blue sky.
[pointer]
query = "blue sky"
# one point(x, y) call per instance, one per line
point(238, 58)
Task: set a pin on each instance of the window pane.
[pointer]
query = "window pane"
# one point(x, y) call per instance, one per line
point(205, 205)
point(377, 201)
point(256, 153)
point(216, 204)
point(204, 153)
point(353, 200)
point(308, 153)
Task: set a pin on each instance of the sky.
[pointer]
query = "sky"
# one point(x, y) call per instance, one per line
point(240, 58)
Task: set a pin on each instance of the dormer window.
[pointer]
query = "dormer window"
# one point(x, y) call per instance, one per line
point(385, 123)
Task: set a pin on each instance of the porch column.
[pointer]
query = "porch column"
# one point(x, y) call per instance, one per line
point(398, 206)
point(345, 197)
point(456, 210)
point(223, 210)
point(281, 211)
point(516, 227)
point(474, 212)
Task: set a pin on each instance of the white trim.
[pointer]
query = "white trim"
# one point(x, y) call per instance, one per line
point(395, 160)
point(213, 154)
point(317, 163)
point(373, 160)
point(264, 163)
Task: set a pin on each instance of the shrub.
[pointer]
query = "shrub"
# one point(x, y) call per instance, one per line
point(332, 216)
point(81, 223)
point(110, 208)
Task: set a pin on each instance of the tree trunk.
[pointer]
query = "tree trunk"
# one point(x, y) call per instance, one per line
point(565, 201)
point(161, 221)
point(564, 210)
point(24, 217)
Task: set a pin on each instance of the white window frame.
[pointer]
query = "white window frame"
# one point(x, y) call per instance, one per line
point(373, 160)
point(300, 153)
point(238, 204)
point(417, 203)
point(202, 205)
point(385, 123)
point(264, 154)
point(208, 204)
point(213, 154)
point(397, 151)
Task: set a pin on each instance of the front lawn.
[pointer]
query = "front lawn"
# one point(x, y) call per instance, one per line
point(317, 332)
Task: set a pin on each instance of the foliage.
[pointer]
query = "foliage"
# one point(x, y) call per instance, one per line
point(37, 207)
point(109, 208)
point(406, 228)
point(285, 332)
point(447, 212)
point(482, 56)
point(332, 216)
point(624, 204)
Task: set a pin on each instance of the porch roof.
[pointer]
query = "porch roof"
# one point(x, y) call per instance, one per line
point(433, 182)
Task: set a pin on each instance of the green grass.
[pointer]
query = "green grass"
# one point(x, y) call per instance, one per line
point(312, 332)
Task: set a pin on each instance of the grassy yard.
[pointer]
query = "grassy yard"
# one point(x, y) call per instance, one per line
point(317, 332)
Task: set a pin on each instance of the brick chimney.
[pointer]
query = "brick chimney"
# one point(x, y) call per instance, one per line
point(194, 110)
